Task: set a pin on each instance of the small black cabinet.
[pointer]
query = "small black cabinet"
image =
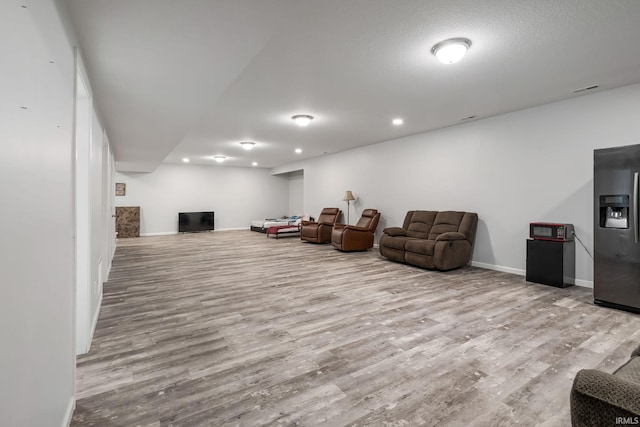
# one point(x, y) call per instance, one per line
point(551, 263)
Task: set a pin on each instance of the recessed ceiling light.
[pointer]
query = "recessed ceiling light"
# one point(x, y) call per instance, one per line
point(302, 119)
point(219, 159)
point(452, 50)
point(185, 160)
point(397, 122)
point(298, 150)
point(247, 145)
point(254, 164)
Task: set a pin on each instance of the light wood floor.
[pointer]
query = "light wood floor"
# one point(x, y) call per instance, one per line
point(232, 328)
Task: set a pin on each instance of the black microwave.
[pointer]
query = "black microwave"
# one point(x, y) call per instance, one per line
point(551, 231)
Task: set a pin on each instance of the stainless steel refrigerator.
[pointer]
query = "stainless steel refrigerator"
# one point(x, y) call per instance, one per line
point(616, 235)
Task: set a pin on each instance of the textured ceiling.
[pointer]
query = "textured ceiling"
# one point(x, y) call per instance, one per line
point(193, 78)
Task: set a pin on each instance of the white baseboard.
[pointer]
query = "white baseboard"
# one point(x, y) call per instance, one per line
point(511, 270)
point(166, 233)
point(162, 233)
point(520, 272)
point(94, 322)
point(584, 283)
point(68, 414)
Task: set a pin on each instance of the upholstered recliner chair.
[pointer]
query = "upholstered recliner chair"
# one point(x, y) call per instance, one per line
point(357, 237)
point(431, 239)
point(320, 231)
point(602, 399)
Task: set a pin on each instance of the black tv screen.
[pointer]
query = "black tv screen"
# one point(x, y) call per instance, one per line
point(195, 221)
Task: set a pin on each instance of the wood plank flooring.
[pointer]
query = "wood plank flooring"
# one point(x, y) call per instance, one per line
point(235, 329)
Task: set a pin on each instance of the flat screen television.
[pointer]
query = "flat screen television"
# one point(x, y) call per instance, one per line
point(189, 222)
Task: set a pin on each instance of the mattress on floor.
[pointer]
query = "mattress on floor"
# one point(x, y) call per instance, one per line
point(266, 223)
point(261, 225)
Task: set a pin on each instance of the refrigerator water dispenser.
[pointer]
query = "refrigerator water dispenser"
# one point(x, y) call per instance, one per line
point(614, 211)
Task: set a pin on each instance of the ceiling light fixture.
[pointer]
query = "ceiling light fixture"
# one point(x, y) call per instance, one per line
point(254, 164)
point(302, 119)
point(298, 150)
point(452, 50)
point(397, 122)
point(219, 159)
point(185, 160)
point(247, 145)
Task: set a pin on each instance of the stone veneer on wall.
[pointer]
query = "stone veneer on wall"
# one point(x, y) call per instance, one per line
point(128, 221)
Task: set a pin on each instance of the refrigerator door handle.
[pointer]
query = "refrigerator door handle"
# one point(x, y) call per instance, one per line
point(635, 205)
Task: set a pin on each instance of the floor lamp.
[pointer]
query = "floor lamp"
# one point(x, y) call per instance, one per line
point(348, 197)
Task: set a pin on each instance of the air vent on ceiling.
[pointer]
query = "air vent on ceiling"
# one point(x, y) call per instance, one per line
point(584, 89)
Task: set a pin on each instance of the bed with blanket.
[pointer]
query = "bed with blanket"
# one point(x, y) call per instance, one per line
point(291, 229)
point(262, 225)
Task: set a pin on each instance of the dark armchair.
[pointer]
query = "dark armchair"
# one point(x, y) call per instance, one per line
point(320, 231)
point(357, 237)
point(602, 399)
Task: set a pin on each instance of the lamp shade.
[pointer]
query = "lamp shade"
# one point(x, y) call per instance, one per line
point(348, 196)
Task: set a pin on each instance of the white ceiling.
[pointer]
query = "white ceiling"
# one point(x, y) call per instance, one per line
point(193, 78)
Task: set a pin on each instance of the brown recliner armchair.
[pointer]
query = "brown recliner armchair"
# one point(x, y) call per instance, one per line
point(320, 231)
point(357, 237)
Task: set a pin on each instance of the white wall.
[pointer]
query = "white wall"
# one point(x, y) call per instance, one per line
point(236, 195)
point(109, 228)
point(529, 165)
point(296, 193)
point(37, 249)
point(94, 233)
point(98, 209)
point(37, 358)
point(82, 144)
